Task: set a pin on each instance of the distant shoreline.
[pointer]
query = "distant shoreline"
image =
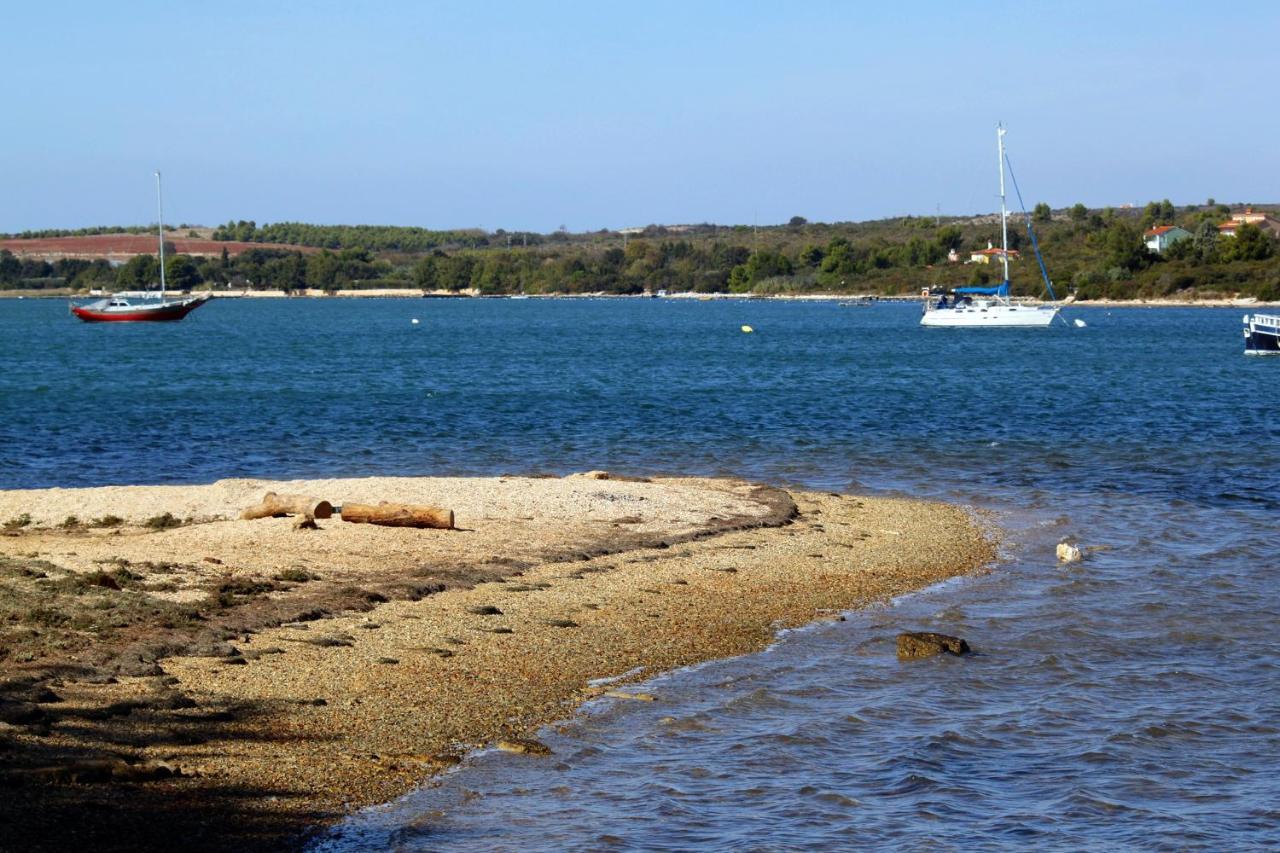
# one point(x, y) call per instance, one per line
point(414, 293)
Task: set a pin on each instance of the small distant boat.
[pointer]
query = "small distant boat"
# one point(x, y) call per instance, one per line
point(1261, 334)
point(118, 309)
point(959, 309)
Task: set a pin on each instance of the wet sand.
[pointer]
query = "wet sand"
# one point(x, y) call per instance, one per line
point(287, 677)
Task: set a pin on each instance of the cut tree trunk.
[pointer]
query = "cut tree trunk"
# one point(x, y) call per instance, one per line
point(274, 505)
point(399, 515)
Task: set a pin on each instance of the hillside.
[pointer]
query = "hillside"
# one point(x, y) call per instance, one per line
point(1092, 253)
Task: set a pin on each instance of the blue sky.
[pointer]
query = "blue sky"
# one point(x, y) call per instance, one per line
point(598, 115)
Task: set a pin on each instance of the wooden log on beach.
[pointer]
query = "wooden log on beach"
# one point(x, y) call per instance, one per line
point(276, 505)
point(398, 515)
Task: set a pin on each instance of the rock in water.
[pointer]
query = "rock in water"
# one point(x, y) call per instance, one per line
point(923, 644)
point(524, 746)
point(637, 697)
point(1069, 553)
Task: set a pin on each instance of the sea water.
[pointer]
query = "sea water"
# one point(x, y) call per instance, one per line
point(1127, 701)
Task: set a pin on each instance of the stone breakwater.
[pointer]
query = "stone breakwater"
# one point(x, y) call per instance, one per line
point(171, 672)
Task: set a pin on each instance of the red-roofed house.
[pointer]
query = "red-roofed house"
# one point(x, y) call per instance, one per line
point(989, 254)
point(1251, 217)
point(1163, 236)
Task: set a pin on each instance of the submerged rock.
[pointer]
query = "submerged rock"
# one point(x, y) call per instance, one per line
point(524, 746)
point(923, 644)
point(635, 697)
point(1068, 553)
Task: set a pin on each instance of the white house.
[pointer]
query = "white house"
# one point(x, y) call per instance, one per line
point(1163, 236)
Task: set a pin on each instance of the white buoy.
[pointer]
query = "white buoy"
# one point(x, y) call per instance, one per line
point(747, 330)
point(1080, 324)
point(414, 321)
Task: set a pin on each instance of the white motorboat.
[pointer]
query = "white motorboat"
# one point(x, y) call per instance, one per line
point(994, 307)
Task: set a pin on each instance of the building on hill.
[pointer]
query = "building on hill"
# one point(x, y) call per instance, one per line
point(1249, 216)
point(1162, 237)
point(991, 253)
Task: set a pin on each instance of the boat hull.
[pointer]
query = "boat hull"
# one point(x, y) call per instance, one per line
point(994, 316)
point(166, 313)
point(1261, 335)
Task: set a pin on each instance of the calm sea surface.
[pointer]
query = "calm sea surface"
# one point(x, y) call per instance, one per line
point(1130, 701)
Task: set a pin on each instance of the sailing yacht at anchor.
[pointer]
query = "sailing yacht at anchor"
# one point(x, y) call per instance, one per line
point(995, 308)
point(118, 309)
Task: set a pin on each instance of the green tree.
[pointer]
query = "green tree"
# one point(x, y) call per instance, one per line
point(1042, 212)
point(424, 274)
point(811, 256)
point(1125, 248)
point(138, 272)
point(180, 272)
point(949, 237)
point(1251, 243)
point(323, 269)
point(10, 267)
point(1205, 242)
point(767, 264)
point(1150, 215)
point(1079, 213)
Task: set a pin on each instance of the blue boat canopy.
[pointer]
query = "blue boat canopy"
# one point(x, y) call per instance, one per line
point(1001, 290)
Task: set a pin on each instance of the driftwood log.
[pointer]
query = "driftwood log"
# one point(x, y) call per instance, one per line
point(276, 505)
point(398, 515)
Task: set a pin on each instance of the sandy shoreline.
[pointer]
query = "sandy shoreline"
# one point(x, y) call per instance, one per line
point(283, 678)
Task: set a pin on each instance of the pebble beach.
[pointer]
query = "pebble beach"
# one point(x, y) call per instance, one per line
point(249, 681)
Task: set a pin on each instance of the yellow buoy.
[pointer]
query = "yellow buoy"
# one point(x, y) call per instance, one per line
point(747, 329)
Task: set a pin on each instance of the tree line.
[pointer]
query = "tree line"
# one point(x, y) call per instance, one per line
point(1095, 253)
point(263, 269)
point(91, 231)
point(376, 238)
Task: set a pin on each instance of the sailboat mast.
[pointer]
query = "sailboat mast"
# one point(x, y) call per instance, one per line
point(160, 226)
point(1004, 212)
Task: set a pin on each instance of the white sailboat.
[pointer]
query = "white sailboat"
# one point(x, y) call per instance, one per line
point(969, 307)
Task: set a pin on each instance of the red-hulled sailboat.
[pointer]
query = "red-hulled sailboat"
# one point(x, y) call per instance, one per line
point(118, 309)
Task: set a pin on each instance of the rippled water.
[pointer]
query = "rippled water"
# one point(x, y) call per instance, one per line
point(1127, 701)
